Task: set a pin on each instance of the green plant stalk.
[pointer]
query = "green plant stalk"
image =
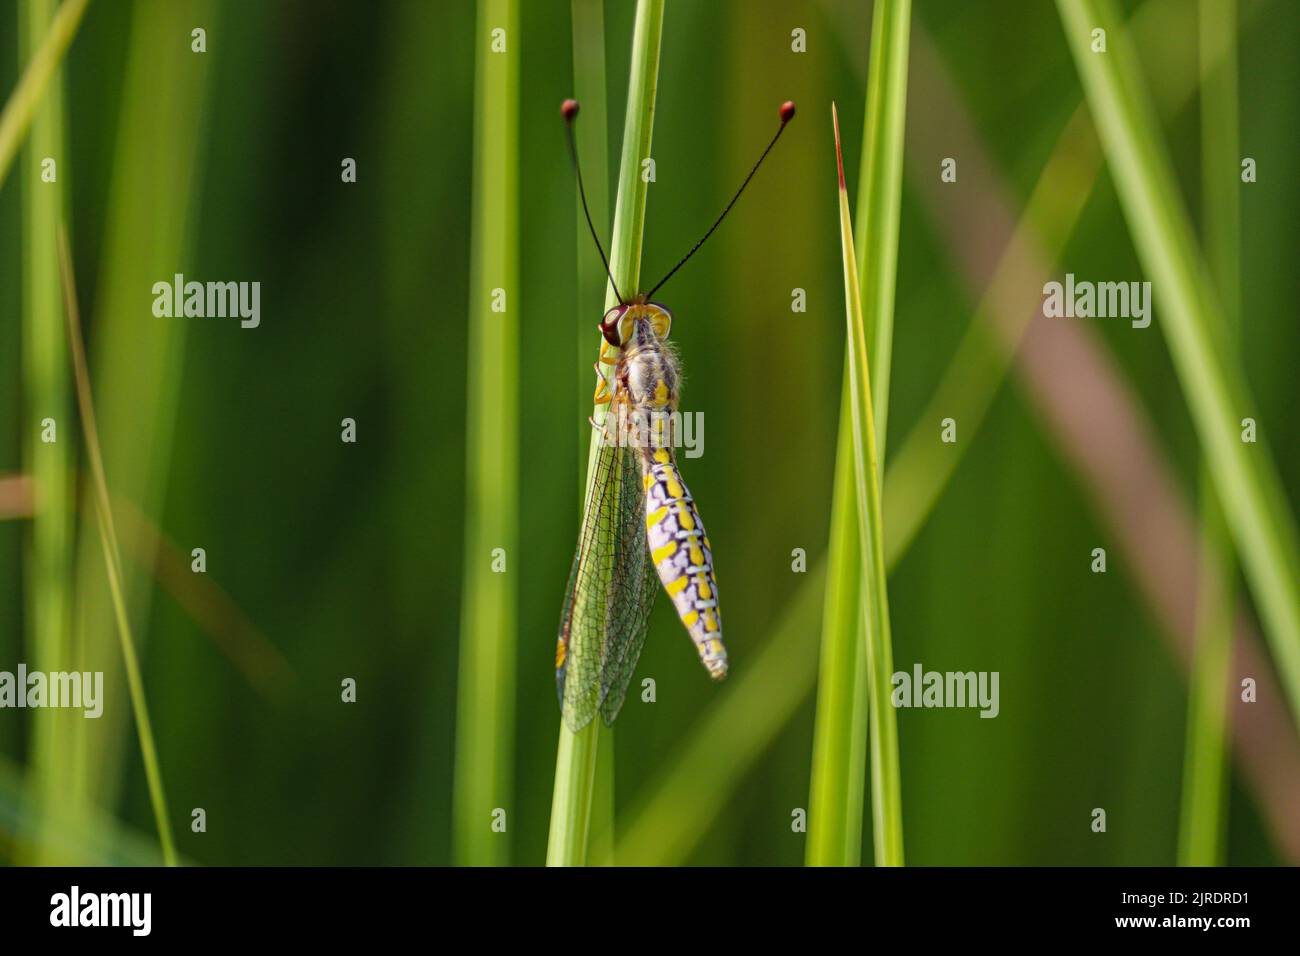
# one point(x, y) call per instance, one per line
point(1203, 813)
point(22, 103)
point(1204, 805)
point(846, 681)
point(113, 558)
point(575, 762)
point(139, 359)
point(47, 386)
point(840, 731)
point(485, 713)
point(886, 796)
point(592, 141)
point(1244, 476)
point(880, 193)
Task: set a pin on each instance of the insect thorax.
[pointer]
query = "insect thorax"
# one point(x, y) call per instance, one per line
point(648, 382)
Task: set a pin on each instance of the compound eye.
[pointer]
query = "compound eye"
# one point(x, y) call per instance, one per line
point(609, 326)
point(661, 320)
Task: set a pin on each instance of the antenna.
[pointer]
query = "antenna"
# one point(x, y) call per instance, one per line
point(787, 114)
point(569, 109)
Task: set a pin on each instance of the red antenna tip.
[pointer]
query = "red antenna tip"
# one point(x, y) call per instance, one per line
point(569, 108)
point(787, 111)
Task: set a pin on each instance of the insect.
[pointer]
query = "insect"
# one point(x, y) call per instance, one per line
point(642, 529)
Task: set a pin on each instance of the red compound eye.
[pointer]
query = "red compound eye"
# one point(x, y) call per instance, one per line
point(609, 327)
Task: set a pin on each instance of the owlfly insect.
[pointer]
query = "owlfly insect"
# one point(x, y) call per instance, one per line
point(641, 528)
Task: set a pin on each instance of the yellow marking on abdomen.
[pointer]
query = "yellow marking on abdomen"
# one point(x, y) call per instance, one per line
point(656, 516)
point(665, 551)
point(676, 586)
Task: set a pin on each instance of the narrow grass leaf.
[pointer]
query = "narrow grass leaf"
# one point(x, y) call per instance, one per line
point(592, 138)
point(1244, 475)
point(575, 762)
point(47, 388)
point(844, 686)
point(1203, 817)
point(139, 361)
point(22, 103)
point(485, 713)
point(113, 558)
point(886, 795)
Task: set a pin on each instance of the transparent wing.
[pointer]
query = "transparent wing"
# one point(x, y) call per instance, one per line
point(611, 589)
point(638, 583)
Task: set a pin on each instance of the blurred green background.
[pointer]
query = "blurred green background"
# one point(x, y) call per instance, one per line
point(329, 560)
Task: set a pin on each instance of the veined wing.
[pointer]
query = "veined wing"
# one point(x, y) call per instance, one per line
point(638, 584)
point(611, 589)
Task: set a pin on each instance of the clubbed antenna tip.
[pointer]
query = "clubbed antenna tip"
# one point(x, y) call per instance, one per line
point(787, 114)
point(569, 110)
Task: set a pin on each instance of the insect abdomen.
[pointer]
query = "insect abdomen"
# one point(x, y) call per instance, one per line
point(682, 558)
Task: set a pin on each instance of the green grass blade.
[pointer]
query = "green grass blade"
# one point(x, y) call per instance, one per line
point(22, 103)
point(1244, 475)
point(880, 193)
point(1204, 805)
point(113, 559)
point(840, 732)
point(886, 795)
point(139, 360)
point(847, 683)
point(575, 762)
point(485, 713)
point(47, 385)
point(592, 140)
